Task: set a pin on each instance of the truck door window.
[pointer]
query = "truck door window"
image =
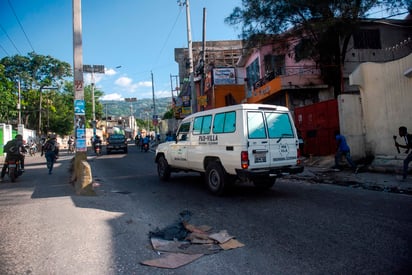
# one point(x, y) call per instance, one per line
point(201, 125)
point(224, 123)
point(183, 131)
point(256, 125)
point(279, 125)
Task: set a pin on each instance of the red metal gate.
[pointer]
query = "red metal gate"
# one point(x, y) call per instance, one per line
point(317, 124)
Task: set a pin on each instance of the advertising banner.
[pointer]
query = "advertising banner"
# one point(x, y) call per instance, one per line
point(223, 76)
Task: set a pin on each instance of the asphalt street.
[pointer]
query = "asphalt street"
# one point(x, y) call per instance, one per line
point(45, 228)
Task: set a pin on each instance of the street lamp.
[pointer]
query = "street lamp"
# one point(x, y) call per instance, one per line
point(93, 69)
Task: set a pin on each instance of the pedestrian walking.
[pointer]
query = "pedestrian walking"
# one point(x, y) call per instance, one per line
point(343, 150)
point(51, 151)
point(403, 133)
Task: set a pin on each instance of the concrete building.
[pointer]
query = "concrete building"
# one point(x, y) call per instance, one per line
point(373, 117)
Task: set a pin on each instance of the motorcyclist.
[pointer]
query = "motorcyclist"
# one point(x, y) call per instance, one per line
point(145, 141)
point(97, 141)
point(15, 151)
point(70, 144)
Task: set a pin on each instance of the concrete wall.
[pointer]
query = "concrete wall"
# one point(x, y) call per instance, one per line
point(386, 100)
point(351, 123)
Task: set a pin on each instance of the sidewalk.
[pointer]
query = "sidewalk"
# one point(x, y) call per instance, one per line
point(382, 174)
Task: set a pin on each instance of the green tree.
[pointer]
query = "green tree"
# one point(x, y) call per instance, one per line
point(323, 24)
point(38, 76)
point(8, 97)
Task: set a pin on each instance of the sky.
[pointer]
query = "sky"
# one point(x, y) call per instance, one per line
point(133, 39)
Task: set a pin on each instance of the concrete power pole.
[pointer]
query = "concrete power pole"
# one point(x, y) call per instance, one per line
point(191, 76)
point(79, 104)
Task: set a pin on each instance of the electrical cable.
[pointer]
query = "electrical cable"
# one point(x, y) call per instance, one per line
point(4, 50)
point(12, 42)
point(168, 36)
point(21, 26)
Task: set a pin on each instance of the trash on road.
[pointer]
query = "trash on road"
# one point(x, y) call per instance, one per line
point(182, 243)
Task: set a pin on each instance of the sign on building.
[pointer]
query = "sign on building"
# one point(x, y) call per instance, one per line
point(223, 76)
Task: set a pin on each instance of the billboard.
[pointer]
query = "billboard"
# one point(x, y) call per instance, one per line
point(223, 76)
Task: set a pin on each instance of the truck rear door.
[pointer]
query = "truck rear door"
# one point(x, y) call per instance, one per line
point(258, 149)
point(282, 140)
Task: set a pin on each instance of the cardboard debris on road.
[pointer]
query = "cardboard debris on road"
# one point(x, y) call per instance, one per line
point(183, 247)
point(221, 237)
point(198, 241)
point(172, 260)
point(232, 244)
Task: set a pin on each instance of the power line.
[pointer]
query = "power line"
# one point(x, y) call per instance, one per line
point(168, 36)
point(14, 45)
point(21, 26)
point(4, 50)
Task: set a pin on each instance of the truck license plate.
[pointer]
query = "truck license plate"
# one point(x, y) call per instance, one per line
point(260, 157)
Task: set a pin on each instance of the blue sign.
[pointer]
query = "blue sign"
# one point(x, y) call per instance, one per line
point(81, 145)
point(79, 107)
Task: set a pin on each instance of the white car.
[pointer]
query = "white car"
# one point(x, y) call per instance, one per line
point(250, 142)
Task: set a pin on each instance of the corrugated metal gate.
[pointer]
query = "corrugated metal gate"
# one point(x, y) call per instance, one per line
point(317, 124)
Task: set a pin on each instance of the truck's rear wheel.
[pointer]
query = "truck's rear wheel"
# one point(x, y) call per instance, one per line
point(163, 168)
point(216, 178)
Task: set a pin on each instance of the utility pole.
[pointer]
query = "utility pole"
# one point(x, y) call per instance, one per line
point(176, 88)
point(153, 95)
point(155, 118)
point(193, 101)
point(19, 103)
point(79, 112)
point(203, 61)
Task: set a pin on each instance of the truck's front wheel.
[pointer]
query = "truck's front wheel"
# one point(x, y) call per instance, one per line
point(215, 178)
point(163, 168)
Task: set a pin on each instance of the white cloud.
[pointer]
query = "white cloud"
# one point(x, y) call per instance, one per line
point(145, 84)
point(87, 78)
point(114, 96)
point(123, 81)
point(110, 71)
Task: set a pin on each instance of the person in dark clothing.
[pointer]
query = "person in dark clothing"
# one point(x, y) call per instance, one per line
point(51, 150)
point(15, 151)
point(343, 150)
point(403, 133)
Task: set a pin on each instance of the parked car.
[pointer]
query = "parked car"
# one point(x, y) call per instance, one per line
point(116, 142)
point(249, 142)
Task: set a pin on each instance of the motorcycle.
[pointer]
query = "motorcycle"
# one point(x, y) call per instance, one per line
point(98, 148)
point(71, 149)
point(13, 169)
point(33, 149)
point(145, 147)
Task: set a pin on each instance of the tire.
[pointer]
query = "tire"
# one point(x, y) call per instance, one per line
point(216, 178)
point(264, 184)
point(12, 174)
point(163, 168)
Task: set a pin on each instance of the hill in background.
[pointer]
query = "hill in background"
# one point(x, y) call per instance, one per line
point(142, 108)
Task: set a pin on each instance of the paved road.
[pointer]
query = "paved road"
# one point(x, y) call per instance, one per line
point(297, 227)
